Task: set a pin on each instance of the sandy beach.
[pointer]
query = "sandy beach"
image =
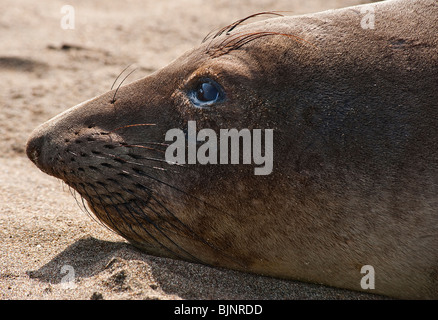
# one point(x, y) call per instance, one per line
point(51, 248)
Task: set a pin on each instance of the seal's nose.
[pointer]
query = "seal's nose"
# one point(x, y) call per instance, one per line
point(34, 146)
point(38, 148)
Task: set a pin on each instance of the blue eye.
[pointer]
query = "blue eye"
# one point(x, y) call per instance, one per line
point(206, 93)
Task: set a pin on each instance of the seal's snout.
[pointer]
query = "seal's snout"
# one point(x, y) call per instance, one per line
point(41, 149)
point(34, 148)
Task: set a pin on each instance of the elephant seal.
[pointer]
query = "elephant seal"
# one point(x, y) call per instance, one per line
point(354, 114)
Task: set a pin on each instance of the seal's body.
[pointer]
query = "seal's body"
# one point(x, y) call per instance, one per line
point(354, 113)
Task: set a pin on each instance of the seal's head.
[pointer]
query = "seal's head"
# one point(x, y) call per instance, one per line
point(111, 150)
point(349, 178)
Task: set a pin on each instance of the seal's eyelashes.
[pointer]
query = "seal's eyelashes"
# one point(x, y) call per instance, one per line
point(207, 92)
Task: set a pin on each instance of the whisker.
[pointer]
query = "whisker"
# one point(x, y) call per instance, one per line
point(194, 234)
point(120, 75)
point(179, 190)
point(114, 225)
point(232, 26)
point(142, 147)
point(146, 203)
point(93, 216)
point(237, 40)
point(119, 159)
point(148, 220)
point(169, 239)
point(144, 174)
point(115, 93)
point(136, 208)
point(152, 143)
point(132, 125)
point(122, 160)
point(108, 156)
point(185, 227)
point(122, 145)
point(73, 193)
point(235, 24)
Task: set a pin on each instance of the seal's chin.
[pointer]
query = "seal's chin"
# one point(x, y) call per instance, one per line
point(148, 229)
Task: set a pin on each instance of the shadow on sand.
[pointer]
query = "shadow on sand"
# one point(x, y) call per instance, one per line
point(90, 257)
